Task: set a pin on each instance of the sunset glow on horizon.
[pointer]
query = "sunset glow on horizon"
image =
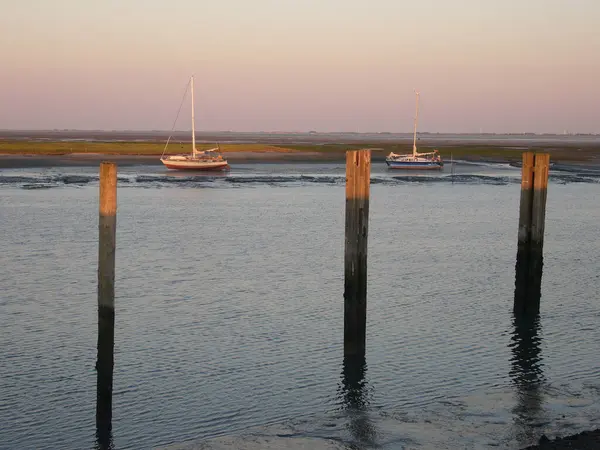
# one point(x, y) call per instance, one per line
point(300, 65)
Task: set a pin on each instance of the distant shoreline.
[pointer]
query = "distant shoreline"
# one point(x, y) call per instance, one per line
point(291, 136)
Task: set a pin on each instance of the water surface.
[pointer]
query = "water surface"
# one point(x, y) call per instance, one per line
point(229, 311)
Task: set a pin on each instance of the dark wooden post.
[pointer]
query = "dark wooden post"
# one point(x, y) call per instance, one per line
point(106, 300)
point(524, 234)
point(358, 177)
point(529, 266)
point(526, 199)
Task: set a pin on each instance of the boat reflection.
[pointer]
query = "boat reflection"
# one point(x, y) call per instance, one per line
point(196, 174)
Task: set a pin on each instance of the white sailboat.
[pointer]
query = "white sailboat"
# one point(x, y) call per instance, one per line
point(198, 159)
point(416, 160)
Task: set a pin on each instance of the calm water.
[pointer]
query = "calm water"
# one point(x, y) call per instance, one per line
point(229, 311)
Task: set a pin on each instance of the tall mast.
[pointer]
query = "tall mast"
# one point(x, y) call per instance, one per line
point(416, 120)
point(193, 124)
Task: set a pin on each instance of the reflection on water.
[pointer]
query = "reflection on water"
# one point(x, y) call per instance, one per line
point(354, 395)
point(104, 440)
point(353, 392)
point(196, 174)
point(526, 362)
point(527, 375)
point(104, 383)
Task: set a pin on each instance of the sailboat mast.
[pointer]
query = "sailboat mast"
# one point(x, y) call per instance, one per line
point(416, 121)
point(193, 122)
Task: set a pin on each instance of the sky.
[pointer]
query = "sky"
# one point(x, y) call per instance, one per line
point(300, 65)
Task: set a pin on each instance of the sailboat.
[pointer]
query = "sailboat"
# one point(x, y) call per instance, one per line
point(416, 160)
point(198, 159)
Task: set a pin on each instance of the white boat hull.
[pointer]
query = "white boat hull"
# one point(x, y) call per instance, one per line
point(414, 163)
point(190, 164)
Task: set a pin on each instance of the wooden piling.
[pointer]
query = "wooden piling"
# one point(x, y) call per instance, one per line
point(106, 296)
point(540, 190)
point(358, 177)
point(529, 266)
point(526, 199)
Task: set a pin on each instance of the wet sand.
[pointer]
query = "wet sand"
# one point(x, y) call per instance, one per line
point(588, 440)
point(47, 148)
point(31, 148)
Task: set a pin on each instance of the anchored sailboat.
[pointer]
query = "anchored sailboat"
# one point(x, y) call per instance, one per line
point(416, 160)
point(199, 159)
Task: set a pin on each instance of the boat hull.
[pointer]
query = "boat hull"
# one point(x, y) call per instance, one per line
point(195, 165)
point(415, 165)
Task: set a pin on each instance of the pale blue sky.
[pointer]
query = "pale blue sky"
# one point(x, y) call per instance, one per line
point(328, 65)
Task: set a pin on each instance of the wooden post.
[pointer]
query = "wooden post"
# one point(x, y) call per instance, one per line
point(529, 266)
point(106, 299)
point(540, 190)
point(526, 199)
point(358, 177)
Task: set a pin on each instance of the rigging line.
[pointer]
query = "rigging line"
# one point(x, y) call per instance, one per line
point(175, 122)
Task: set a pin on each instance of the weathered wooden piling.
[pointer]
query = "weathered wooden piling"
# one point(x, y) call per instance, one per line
point(529, 266)
point(540, 191)
point(526, 199)
point(106, 297)
point(358, 177)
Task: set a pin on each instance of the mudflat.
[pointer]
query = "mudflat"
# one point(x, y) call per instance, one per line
point(82, 148)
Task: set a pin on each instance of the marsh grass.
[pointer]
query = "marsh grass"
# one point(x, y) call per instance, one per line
point(462, 151)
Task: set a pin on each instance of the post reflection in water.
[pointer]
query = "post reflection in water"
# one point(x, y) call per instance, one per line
point(104, 439)
point(526, 362)
point(354, 395)
point(104, 385)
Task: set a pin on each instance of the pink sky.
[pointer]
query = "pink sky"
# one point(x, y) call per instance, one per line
point(329, 65)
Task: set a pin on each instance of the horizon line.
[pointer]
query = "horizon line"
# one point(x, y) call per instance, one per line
point(313, 132)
